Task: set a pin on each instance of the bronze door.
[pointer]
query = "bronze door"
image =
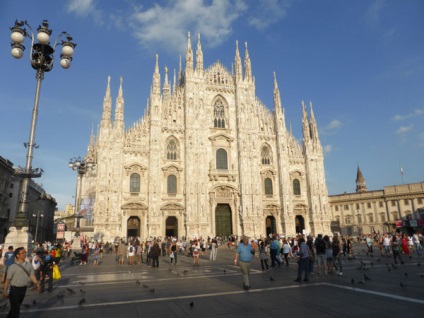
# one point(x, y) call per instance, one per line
point(223, 220)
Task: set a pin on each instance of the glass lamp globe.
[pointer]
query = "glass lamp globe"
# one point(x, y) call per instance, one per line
point(17, 37)
point(67, 50)
point(43, 38)
point(66, 63)
point(17, 53)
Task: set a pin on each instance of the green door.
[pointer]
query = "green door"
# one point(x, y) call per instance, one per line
point(223, 221)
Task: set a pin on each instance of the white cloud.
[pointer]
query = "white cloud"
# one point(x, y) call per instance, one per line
point(403, 130)
point(374, 11)
point(417, 112)
point(268, 12)
point(84, 8)
point(334, 125)
point(167, 25)
point(328, 149)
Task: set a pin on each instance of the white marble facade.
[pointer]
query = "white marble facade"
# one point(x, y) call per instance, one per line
point(207, 158)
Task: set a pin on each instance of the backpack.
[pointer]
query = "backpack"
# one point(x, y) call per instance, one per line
point(320, 246)
point(131, 249)
point(35, 263)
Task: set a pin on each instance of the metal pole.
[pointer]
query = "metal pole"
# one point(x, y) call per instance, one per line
point(30, 146)
point(75, 208)
point(80, 174)
point(36, 226)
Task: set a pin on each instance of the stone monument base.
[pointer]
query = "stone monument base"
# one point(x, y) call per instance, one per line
point(19, 238)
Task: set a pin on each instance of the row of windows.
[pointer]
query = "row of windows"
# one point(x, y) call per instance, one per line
point(349, 219)
point(172, 153)
point(172, 185)
point(380, 204)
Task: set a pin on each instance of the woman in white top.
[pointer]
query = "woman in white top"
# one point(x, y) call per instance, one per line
point(286, 251)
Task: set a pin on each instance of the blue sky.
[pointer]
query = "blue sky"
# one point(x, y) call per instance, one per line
point(361, 63)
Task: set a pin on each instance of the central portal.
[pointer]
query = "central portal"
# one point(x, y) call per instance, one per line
point(223, 220)
point(133, 227)
point(171, 226)
point(300, 224)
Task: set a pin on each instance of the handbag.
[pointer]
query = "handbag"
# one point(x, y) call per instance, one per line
point(56, 272)
point(171, 255)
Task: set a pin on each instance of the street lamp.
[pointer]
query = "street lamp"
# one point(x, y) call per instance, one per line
point(38, 215)
point(42, 58)
point(82, 166)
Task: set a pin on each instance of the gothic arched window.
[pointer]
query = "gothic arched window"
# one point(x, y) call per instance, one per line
point(135, 182)
point(172, 184)
point(221, 159)
point(268, 187)
point(171, 150)
point(219, 114)
point(265, 155)
point(296, 187)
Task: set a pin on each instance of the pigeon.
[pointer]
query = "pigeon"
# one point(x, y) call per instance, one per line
point(81, 302)
point(394, 266)
point(422, 275)
point(402, 285)
point(388, 268)
point(379, 260)
point(137, 282)
point(406, 274)
point(60, 296)
point(82, 291)
point(26, 305)
point(362, 282)
point(366, 277)
point(145, 286)
point(185, 271)
point(34, 302)
point(352, 281)
point(191, 304)
point(70, 290)
point(81, 283)
point(271, 279)
point(225, 271)
point(419, 264)
point(410, 257)
point(372, 264)
point(152, 290)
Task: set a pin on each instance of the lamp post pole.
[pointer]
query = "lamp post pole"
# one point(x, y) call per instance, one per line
point(38, 215)
point(81, 166)
point(42, 59)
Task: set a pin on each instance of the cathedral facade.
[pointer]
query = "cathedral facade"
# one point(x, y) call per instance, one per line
point(207, 158)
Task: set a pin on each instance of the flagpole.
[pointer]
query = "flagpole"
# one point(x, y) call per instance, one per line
point(401, 173)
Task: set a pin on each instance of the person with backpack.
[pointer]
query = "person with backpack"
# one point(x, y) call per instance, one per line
point(131, 253)
point(320, 254)
point(36, 263)
point(47, 272)
point(8, 259)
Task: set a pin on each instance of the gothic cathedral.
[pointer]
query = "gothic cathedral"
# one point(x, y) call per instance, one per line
point(207, 158)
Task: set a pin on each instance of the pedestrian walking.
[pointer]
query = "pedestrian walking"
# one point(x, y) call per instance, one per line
point(303, 261)
point(214, 249)
point(244, 254)
point(173, 254)
point(17, 278)
point(263, 257)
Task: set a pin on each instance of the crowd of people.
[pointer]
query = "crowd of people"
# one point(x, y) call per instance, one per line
point(321, 255)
